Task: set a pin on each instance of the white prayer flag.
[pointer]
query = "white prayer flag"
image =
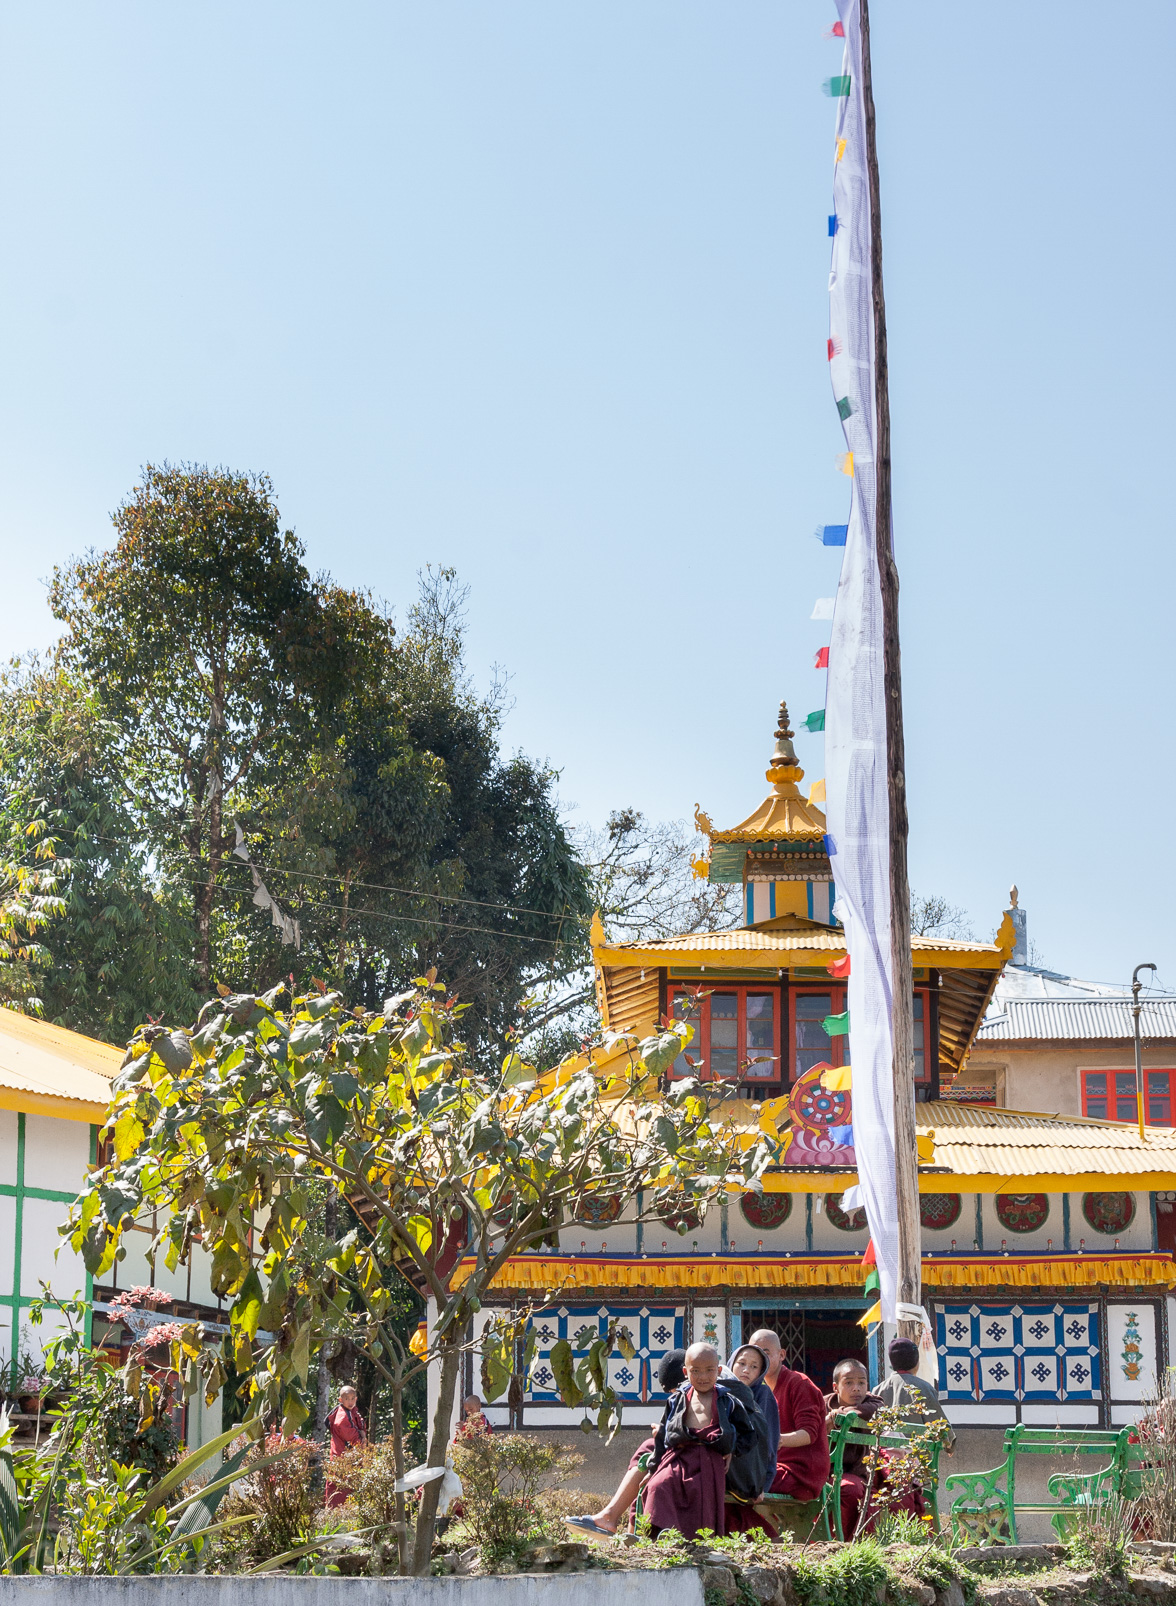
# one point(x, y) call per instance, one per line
point(855, 710)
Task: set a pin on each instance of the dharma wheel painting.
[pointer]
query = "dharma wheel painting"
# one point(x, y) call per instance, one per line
point(1022, 1212)
point(1109, 1212)
point(598, 1209)
point(940, 1210)
point(766, 1210)
point(845, 1220)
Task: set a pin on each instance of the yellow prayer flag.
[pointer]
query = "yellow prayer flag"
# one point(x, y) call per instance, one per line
point(839, 1080)
point(874, 1314)
point(840, 150)
point(845, 463)
point(817, 792)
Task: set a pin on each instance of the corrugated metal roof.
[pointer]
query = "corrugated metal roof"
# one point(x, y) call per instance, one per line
point(1075, 1019)
point(974, 1141)
point(48, 1062)
point(774, 938)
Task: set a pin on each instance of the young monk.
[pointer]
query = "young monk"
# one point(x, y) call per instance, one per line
point(703, 1427)
point(473, 1418)
point(851, 1398)
point(749, 1476)
point(604, 1523)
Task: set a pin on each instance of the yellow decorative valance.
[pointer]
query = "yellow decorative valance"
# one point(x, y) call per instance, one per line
point(565, 1273)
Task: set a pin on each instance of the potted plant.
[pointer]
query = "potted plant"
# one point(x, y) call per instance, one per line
point(28, 1391)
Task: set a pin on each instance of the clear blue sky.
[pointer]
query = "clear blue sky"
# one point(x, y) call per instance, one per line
point(539, 291)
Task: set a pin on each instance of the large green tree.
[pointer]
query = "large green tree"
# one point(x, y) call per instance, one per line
point(315, 793)
point(113, 948)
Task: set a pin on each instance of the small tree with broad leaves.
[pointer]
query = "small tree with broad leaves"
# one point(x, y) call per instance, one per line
point(231, 1132)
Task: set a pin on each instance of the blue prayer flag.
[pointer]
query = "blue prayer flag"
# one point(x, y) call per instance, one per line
point(833, 534)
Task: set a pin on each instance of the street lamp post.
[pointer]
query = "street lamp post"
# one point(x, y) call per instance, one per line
point(1136, 1006)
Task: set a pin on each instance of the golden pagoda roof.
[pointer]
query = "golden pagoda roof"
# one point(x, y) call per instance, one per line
point(785, 941)
point(783, 816)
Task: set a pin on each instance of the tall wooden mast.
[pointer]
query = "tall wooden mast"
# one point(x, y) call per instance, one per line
point(906, 1165)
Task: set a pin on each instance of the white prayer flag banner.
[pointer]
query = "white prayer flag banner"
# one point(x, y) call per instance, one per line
point(823, 608)
point(855, 710)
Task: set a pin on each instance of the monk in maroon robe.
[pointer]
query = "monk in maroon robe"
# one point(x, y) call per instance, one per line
point(703, 1427)
point(347, 1429)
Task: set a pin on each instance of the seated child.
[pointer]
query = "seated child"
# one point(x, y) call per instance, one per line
point(703, 1427)
point(473, 1419)
point(604, 1523)
point(851, 1398)
point(750, 1475)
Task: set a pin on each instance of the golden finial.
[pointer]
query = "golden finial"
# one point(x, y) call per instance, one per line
point(784, 764)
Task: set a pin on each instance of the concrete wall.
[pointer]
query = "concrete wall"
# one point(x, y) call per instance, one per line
point(681, 1587)
point(1047, 1078)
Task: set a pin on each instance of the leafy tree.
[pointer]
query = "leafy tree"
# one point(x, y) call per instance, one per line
point(114, 949)
point(210, 646)
point(31, 875)
point(232, 1129)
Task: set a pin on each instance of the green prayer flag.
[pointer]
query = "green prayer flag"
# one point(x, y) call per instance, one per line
point(873, 1283)
point(838, 87)
point(836, 1025)
point(844, 408)
point(815, 721)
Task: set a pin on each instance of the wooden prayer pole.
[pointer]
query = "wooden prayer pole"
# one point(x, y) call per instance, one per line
point(906, 1157)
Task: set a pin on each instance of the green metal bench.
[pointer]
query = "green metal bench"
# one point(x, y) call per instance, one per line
point(986, 1511)
point(896, 1440)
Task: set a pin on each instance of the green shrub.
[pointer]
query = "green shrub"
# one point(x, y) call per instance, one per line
point(510, 1481)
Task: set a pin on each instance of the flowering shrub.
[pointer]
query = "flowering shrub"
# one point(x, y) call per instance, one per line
point(509, 1502)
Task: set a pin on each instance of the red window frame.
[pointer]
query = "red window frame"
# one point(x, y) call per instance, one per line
point(835, 1049)
point(1109, 1095)
point(700, 1049)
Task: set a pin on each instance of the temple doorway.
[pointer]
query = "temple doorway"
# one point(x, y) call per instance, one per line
point(813, 1339)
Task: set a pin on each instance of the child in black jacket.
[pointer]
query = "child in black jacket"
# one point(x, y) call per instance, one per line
point(703, 1426)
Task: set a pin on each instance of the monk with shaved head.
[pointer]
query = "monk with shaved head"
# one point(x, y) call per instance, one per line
point(703, 1426)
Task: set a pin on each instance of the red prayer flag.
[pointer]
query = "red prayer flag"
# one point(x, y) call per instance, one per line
point(869, 1258)
point(821, 661)
point(838, 967)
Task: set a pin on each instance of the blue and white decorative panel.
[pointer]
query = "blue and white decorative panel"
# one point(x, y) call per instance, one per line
point(1018, 1352)
point(654, 1329)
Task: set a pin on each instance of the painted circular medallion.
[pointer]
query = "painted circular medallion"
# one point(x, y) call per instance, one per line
point(766, 1210)
point(1109, 1212)
point(677, 1218)
point(940, 1210)
point(844, 1220)
point(598, 1209)
point(815, 1108)
point(1022, 1212)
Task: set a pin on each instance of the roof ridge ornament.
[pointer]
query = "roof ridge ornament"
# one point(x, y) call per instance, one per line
point(783, 764)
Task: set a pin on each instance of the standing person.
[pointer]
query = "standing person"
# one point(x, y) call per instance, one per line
point(604, 1523)
point(473, 1418)
point(703, 1428)
point(904, 1387)
point(851, 1398)
point(348, 1429)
